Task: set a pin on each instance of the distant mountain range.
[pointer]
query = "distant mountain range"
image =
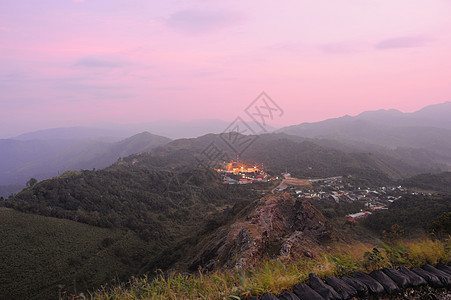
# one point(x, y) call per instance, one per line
point(279, 152)
point(23, 159)
point(412, 142)
point(160, 208)
point(169, 128)
point(422, 136)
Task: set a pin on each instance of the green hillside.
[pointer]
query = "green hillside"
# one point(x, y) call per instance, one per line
point(39, 253)
point(412, 213)
point(155, 204)
point(440, 183)
point(161, 213)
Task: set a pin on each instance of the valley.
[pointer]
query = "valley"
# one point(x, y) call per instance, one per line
point(183, 216)
point(213, 150)
point(155, 204)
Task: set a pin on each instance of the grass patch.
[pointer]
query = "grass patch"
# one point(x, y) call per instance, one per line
point(277, 275)
point(39, 253)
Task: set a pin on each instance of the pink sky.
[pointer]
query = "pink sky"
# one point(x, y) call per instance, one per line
point(70, 63)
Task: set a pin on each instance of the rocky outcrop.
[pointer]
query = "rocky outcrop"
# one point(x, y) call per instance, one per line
point(274, 226)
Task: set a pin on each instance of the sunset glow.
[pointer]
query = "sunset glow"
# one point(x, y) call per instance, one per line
point(86, 62)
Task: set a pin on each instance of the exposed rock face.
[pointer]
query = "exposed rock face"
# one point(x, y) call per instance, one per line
point(276, 226)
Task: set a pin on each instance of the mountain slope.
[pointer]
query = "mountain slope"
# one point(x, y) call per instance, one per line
point(440, 183)
point(72, 133)
point(280, 152)
point(39, 253)
point(166, 211)
point(42, 159)
point(141, 142)
point(428, 129)
point(436, 115)
point(354, 131)
point(272, 227)
point(174, 129)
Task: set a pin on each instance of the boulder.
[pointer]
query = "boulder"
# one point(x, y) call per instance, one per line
point(431, 279)
point(326, 291)
point(362, 290)
point(343, 289)
point(414, 279)
point(444, 277)
point(444, 268)
point(303, 291)
point(388, 284)
point(288, 296)
point(374, 287)
point(399, 278)
point(269, 296)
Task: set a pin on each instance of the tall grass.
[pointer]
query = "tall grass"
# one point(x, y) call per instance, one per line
point(278, 275)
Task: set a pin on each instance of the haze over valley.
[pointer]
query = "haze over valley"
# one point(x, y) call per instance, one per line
point(253, 150)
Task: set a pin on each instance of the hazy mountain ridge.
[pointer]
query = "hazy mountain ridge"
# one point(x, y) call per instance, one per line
point(406, 140)
point(149, 173)
point(278, 152)
point(173, 129)
point(390, 132)
point(71, 133)
point(46, 158)
point(435, 115)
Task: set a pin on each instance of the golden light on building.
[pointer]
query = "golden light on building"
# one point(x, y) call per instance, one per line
point(240, 167)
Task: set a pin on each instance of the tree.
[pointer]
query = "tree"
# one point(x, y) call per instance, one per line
point(442, 225)
point(32, 182)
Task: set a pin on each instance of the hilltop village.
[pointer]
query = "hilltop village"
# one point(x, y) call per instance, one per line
point(335, 189)
point(338, 190)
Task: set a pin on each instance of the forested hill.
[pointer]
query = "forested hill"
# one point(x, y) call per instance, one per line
point(440, 183)
point(168, 212)
point(133, 193)
point(278, 152)
point(154, 203)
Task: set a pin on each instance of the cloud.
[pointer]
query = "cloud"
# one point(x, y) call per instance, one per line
point(78, 1)
point(403, 42)
point(195, 21)
point(331, 48)
point(14, 76)
point(101, 62)
point(288, 46)
point(340, 48)
point(6, 29)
